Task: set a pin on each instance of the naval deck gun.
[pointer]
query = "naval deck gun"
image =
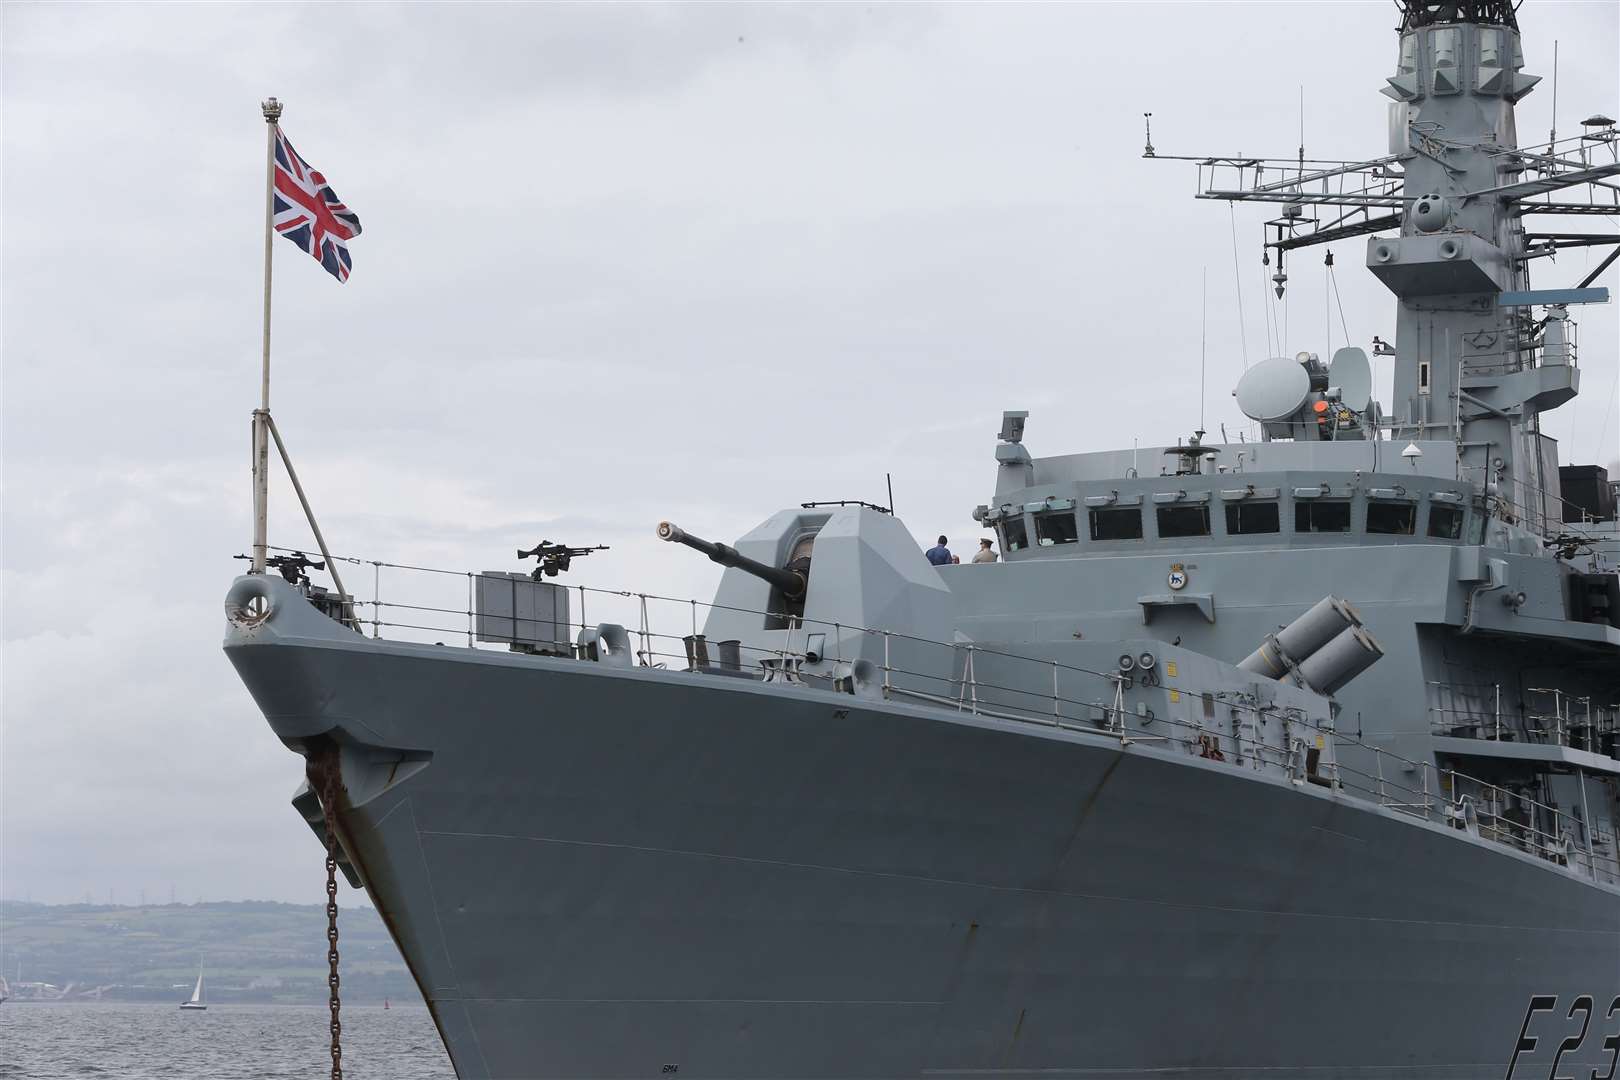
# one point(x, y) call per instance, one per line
point(792, 580)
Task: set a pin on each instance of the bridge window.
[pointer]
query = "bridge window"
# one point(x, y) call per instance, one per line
point(1252, 517)
point(1397, 518)
point(1184, 520)
point(1322, 516)
point(1116, 523)
point(1446, 522)
point(1056, 527)
point(1014, 537)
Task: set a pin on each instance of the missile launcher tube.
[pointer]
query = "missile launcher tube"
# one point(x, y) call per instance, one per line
point(1326, 620)
point(1333, 665)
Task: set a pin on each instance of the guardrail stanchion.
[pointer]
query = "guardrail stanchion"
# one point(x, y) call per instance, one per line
point(376, 599)
point(973, 682)
point(1057, 713)
point(887, 684)
point(646, 640)
point(471, 607)
point(1586, 822)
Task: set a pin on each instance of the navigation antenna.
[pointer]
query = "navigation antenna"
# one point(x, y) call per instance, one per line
point(1203, 347)
point(1237, 286)
point(1327, 299)
point(1302, 129)
point(1552, 131)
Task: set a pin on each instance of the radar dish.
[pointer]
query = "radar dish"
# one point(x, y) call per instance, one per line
point(1351, 372)
point(1273, 389)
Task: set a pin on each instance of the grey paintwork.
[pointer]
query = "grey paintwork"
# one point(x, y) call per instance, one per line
point(879, 861)
point(599, 871)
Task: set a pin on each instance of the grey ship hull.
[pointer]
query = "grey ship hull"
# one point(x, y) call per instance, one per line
point(600, 872)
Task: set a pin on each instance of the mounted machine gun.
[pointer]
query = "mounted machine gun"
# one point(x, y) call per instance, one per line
point(553, 559)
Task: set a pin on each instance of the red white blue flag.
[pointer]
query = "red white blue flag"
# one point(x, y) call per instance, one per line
point(309, 213)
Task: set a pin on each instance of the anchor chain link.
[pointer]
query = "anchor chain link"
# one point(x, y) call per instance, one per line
point(329, 796)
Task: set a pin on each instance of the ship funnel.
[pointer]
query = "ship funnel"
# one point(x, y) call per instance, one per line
point(1324, 648)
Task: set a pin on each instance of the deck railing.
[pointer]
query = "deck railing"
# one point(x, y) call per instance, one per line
point(1027, 689)
point(1545, 716)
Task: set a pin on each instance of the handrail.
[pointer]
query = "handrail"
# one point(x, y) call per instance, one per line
point(966, 690)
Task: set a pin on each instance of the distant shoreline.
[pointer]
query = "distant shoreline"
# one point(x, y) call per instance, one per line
point(224, 1006)
point(251, 953)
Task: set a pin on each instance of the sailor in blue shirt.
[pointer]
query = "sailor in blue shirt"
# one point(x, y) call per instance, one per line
point(941, 555)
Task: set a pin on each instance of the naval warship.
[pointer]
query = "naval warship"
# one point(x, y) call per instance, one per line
point(1292, 757)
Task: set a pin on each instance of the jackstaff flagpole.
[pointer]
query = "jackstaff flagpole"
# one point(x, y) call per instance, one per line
point(261, 416)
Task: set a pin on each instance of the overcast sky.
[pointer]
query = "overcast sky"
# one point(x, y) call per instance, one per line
point(620, 263)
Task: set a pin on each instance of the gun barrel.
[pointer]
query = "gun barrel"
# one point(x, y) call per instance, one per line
point(791, 582)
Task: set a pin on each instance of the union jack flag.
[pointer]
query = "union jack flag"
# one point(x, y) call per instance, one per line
point(309, 213)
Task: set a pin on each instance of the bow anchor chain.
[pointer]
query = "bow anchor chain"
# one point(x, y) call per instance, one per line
point(325, 777)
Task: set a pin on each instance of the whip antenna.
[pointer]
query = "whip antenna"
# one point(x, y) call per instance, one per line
point(1203, 343)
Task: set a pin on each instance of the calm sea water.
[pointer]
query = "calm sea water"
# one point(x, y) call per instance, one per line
point(262, 1042)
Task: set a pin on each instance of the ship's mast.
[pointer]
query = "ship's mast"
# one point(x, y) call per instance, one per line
point(1478, 355)
point(1461, 356)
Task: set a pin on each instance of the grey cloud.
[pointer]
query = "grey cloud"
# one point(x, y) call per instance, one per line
point(617, 266)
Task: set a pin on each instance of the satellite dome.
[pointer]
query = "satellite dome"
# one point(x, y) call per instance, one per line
point(1273, 389)
point(1351, 372)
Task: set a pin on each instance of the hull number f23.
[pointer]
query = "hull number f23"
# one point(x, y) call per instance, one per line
point(1584, 1007)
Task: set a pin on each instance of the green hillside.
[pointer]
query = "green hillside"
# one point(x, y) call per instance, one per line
point(253, 951)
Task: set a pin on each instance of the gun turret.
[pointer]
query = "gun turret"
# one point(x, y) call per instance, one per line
point(792, 581)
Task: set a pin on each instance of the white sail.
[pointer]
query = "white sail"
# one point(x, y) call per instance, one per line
point(196, 1001)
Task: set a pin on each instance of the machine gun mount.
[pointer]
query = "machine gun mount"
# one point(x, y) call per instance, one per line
point(554, 558)
point(292, 568)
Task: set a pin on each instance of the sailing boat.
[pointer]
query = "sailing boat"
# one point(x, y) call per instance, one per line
point(196, 1001)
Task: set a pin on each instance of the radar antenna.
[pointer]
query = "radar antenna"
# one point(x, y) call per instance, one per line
point(1450, 214)
point(1420, 13)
